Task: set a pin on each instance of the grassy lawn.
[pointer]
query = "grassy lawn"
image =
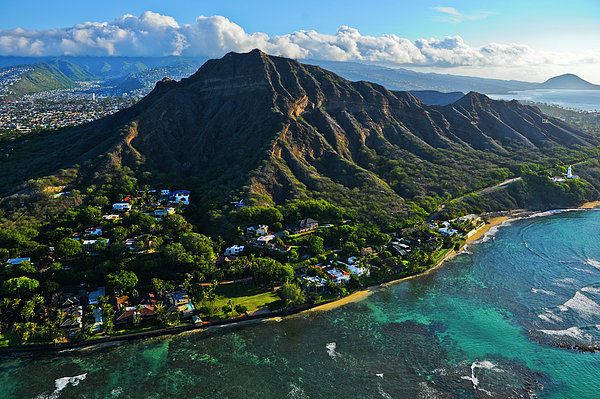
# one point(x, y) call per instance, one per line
point(249, 296)
point(133, 330)
point(439, 255)
point(326, 296)
point(9, 338)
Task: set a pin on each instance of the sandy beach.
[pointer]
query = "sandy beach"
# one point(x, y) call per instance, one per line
point(590, 205)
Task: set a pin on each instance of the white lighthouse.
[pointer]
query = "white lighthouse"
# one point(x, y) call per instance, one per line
point(570, 174)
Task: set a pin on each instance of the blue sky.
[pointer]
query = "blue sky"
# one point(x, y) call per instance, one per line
point(533, 22)
point(544, 26)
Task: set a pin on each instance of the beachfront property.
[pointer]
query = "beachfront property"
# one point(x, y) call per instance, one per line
point(179, 301)
point(99, 320)
point(313, 283)
point(95, 295)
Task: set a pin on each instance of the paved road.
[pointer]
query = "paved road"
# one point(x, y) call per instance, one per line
point(486, 190)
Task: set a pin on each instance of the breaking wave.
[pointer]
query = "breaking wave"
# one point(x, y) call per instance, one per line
point(62, 383)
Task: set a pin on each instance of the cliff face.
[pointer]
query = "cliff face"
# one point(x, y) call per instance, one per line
point(276, 128)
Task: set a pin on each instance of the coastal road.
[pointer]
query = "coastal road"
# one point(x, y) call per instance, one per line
point(486, 190)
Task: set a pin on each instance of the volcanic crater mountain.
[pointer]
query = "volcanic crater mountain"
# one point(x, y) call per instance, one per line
point(269, 128)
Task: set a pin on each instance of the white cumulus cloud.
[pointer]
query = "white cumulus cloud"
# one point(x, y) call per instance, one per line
point(153, 34)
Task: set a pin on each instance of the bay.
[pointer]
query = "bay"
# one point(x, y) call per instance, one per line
point(488, 324)
point(582, 100)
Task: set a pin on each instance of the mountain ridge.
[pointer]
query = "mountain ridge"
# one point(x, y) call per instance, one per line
point(270, 129)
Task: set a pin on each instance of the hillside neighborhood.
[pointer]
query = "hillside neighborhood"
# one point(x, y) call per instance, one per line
point(267, 267)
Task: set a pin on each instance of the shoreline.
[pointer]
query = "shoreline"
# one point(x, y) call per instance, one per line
point(362, 294)
point(274, 316)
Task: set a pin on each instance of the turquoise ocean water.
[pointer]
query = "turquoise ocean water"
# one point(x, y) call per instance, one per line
point(485, 325)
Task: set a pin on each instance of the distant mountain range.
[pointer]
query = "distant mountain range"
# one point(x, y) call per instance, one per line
point(404, 79)
point(127, 73)
point(132, 73)
point(269, 129)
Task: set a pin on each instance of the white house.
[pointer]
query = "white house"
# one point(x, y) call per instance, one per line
point(261, 230)
point(358, 270)
point(234, 251)
point(122, 206)
point(180, 196)
point(447, 231)
point(264, 240)
point(165, 193)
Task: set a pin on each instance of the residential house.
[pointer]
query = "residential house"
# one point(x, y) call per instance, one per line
point(179, 301)
point(98, 320)
point(338, 276)
point(136, 314)
point(313, 283)
point(72, 313)
point(94, 244)
point(264, 240)
point(122, 206)
point(398, 249)
point(119, 303)
point(165, 193)
point(111, 217)
point(234, 250)
point(358, 270)
point(306, 225)
point(180, 197)
point(164, 212)
point(94, 231)
point(94, 295)
point(261, 230)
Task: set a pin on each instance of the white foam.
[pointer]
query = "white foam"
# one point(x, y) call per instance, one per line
point(331, 350)
point(428, 392)
point(593, 262)
point(383, 393)
point(62, 383)
point(591, 290)
point(297, 393)
point(542, 291)
point(483, 365)
point(572, 332)
point(583, 305)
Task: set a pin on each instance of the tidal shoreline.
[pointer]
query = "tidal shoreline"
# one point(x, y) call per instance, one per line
point(274, 316)
point(362, 294)
point(479, 233)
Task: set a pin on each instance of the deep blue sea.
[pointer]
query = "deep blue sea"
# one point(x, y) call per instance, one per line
point(583, 100)
point(484, 325)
